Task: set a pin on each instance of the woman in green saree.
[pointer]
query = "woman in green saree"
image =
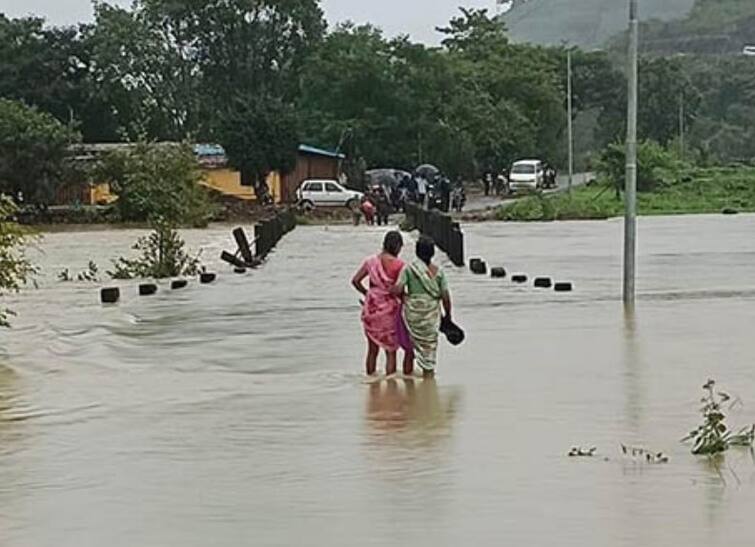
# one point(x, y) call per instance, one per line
point(425, 288)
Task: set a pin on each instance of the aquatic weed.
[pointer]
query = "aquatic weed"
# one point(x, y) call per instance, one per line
point(713, 435)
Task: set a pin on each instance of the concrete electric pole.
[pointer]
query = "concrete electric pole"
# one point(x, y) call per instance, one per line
point(570, 111)
point(630, 196)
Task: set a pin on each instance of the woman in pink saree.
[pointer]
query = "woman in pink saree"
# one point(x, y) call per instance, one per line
point(380, 308)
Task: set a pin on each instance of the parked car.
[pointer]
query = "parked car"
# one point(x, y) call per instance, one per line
point(749, 51)
point(527, 176)
point(327, 193)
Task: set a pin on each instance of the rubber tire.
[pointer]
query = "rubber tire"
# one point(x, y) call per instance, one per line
point(498, 273)
point(563, 287)
point(110, 295)
point(207, 278)
point(147, 289)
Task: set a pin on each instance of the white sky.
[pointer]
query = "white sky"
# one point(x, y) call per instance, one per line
point(417, 18)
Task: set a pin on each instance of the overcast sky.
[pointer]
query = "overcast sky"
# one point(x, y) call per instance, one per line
point(415, 17)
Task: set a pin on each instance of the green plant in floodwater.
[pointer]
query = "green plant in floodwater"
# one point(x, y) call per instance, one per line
point(91, 274)
point(713, 435)
point(643, 455)
point(15, 268)
point(162, 255)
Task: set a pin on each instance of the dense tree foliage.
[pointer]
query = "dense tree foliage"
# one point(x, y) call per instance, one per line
point(257, 75)
point(33, 149)
point(157, 182)
point(15, 268)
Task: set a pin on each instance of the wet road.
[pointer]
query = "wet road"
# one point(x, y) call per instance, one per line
point(479, 202)
point(236, 414)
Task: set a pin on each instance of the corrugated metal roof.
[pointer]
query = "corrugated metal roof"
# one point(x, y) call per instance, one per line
point(306, 149)
point(202, 150)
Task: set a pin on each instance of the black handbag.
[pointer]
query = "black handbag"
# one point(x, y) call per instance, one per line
point(453, 332)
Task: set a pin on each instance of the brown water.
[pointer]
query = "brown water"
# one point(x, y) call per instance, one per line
point(236, 414)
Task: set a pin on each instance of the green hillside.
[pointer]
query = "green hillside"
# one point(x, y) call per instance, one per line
point(586, 23)
point(713, 27)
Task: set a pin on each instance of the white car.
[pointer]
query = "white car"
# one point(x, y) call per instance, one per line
point(527, 176)
point(327, 193)
point(749, 51)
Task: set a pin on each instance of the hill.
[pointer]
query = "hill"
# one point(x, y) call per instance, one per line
point(713, 27)
point(586, 23)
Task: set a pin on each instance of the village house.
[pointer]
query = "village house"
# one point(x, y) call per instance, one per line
point(217, 176)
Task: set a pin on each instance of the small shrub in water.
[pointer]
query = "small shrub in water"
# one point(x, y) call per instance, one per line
point(162, 255)
point(713, 435)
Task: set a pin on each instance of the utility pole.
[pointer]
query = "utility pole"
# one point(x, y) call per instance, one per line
point(682, 129)
point(570, 112)
point(630, 196)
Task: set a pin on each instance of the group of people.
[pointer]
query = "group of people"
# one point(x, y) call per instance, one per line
point(402, 306)
point(375, 207)
point(500, 183)
point(438, 193)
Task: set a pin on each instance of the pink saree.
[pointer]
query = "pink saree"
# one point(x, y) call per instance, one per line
point(380, 307)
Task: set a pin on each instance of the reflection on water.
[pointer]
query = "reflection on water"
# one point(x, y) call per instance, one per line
point(412, 407)
point(236, 414)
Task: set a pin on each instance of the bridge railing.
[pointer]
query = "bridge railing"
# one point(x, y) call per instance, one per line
point(441, 228)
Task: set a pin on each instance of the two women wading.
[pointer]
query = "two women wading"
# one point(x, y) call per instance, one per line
point(402, 307)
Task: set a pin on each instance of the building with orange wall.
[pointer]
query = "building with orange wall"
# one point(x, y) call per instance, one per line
point(216, 174)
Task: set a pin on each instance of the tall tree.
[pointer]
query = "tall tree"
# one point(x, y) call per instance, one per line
point(33, 148)
point(259, 135)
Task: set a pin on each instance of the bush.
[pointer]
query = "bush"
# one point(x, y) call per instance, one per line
point(15, 268)
point(656, 166)
point(157, 181)
point(162, 255)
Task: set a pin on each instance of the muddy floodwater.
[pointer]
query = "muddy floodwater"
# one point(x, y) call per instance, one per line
point(237, 414)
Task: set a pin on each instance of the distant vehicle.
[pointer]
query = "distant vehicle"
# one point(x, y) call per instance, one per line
point(527, 176)
point(749, 51)
point(327, 193)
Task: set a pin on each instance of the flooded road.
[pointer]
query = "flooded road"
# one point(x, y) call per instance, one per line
point(237, 414)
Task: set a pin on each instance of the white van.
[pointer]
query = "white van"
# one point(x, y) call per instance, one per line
point(527, 176)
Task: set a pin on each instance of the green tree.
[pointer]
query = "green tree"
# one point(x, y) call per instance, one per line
point(157, 182)
point(656, 166)
point(517, 86)
point(663, 86)
point(240, 46)
point(33, 149)
point(15, 268)
point(142, 75)
point(259, 135)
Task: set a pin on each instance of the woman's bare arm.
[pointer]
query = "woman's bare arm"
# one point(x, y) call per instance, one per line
point(357, 281)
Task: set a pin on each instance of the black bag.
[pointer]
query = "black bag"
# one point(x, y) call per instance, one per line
point(453, 332)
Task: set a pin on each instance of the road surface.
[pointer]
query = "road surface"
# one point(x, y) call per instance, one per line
point(479, 202)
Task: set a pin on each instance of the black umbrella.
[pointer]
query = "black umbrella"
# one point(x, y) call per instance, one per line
point(382, 177)
point(427, 172)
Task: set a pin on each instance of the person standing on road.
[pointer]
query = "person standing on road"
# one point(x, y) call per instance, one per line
point(381, 307)
point(421, 191)
point(425, 290)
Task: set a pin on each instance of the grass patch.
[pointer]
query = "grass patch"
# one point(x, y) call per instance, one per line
point(698, 191)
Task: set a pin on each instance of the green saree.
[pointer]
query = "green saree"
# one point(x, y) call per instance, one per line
point(422, 310)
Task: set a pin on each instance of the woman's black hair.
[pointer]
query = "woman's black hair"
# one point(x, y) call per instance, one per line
point(425, 249)
point(393, 243)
